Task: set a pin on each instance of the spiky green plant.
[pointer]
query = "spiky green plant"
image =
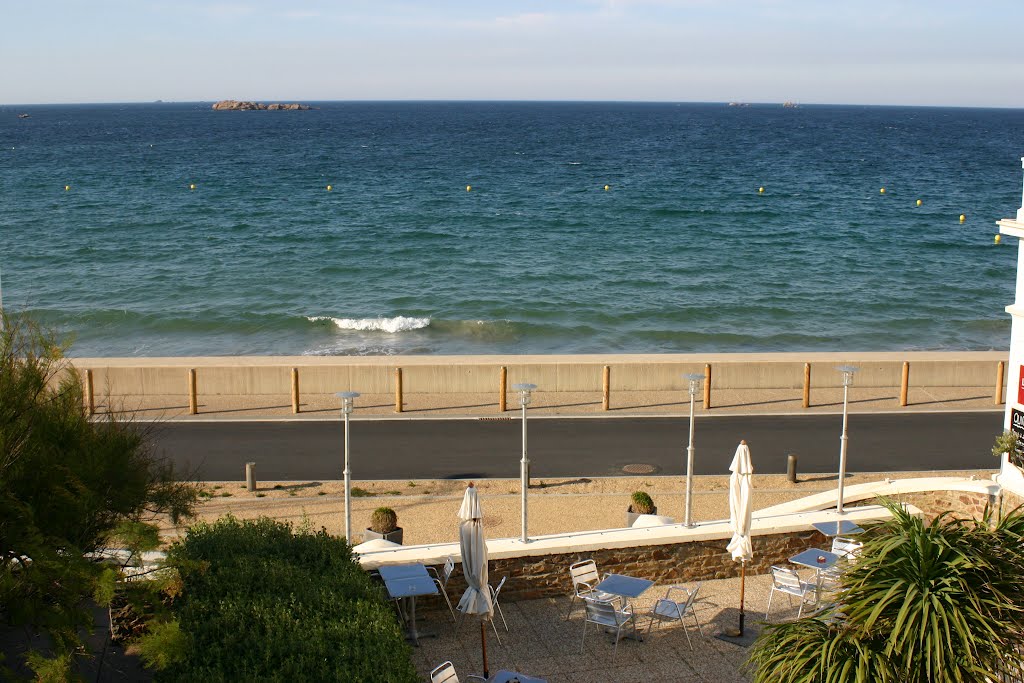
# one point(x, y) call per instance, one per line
point(941, 601)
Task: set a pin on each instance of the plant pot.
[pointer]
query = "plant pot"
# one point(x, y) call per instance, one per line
point(631, 516)
point(393, 536)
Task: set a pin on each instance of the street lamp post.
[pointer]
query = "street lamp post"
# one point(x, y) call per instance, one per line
point(347, 401)
point(695, 380)
point(847, 371)
point(524, 464)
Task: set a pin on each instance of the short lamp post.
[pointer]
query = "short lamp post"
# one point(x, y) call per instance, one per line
point(847, 371)
point(347, 401)
point(524, 464)
point(695, 381)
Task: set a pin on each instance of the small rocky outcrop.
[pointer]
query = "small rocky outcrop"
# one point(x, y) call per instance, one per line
point(235, 105)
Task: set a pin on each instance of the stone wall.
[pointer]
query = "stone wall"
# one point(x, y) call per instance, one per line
point(963, 504)
point(548, 575)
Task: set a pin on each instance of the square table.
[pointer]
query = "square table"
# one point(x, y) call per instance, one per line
point(625, 587)
point(842, 527)
point(406, 581)
point(818, 560)
point(508, 676)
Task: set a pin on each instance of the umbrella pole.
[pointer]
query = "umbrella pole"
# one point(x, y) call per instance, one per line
point(743, 586)
point(483, 646)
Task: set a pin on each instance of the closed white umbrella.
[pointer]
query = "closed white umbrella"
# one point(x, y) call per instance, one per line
point(740, 511)
point(477, 598)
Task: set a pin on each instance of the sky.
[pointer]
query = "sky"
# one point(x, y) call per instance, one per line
point(938, 52)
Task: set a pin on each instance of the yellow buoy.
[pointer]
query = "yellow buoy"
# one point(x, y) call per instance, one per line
point(192, 186)
point(999, 238)
point(882, 191)
point(760, 190)
point(329, 188)
point(919, 202)
point(962, 218)
point(468, 188)
point(607, 187)
point(67, 187)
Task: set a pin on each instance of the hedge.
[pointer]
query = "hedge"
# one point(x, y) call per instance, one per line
point(261, 602)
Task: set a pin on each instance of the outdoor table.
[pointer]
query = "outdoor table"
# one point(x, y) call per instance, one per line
point(406, 581)
point(818, 560)
point(842, 527)
point(509, 676)
point(625, 587)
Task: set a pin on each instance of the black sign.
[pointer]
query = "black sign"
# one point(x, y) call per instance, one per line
point(1017, 425)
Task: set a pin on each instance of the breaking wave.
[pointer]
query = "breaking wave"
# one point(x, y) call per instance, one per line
point(394, 325)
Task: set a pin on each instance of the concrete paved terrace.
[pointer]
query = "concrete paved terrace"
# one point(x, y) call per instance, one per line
point(541, 643)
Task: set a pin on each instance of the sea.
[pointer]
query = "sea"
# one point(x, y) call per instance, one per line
point(379, 228)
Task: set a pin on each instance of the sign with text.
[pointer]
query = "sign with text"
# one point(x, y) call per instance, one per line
point(1017, 425)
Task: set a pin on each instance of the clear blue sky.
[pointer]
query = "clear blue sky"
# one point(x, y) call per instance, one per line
point(938, 52)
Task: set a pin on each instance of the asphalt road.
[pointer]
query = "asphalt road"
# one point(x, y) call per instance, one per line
point(563, 447)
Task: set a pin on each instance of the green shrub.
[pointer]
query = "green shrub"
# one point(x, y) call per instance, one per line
point(642, 503)
point(261, 602)
point(383, 521)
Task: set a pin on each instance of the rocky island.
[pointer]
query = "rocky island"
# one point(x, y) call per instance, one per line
point(235, 105)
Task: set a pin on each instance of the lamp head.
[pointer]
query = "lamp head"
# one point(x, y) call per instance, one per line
point(848, 371)
point(694, 379)
point(347, 400)
point(524, 390)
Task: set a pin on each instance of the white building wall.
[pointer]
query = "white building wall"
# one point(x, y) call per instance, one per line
point(1010, 476)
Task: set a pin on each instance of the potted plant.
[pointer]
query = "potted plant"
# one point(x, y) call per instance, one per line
point(384, 524)
point(641, 505)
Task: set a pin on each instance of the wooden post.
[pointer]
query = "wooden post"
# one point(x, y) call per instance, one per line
point(791, 468)
point(905, 383)
point(707, 386)
point(250, 476)
point(90, 402)
point(807, 385)
point(295, 391)
point(999, 383)
point(502, 388)
point(193, 405)
point(398, 390)
point(606, 382)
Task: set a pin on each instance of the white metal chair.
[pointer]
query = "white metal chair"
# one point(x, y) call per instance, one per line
point(787, 581)
point(604, 614)
point(847, 549)
point(442, 581)
point(445, 673)
point(584, 577)
point(494, 599)
point(669, 609)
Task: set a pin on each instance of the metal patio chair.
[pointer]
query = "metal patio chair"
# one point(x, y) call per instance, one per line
point(442, 581)
point(584, 577)
point(604, 614)
point(445, 673)
point(494, 599)
point(670, 609)
point(785, 580)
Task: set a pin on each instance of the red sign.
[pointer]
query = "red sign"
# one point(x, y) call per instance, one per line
point(1020, 387)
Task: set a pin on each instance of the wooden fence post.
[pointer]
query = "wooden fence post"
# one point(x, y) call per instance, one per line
point(999, 383)
point(193, 404)
point(502, 388)
point(707, 386)
point(398, 390)
point(606, 383)
point(295, 390)
point(807, 385)
point(905, 383)
point(90, 402)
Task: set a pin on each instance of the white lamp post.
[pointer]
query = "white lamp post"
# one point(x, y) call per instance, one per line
point(847, 371)
point(524, 464)
point(695, 381)
point(347, 400)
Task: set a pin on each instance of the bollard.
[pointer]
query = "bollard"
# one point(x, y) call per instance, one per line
point(707, 386)
point(791, 468)
point(807, 385)
point(193, 405)
point(606, 382)
point(502, 388)
point(398, 390)
point(250, 476)
point(295, 390)
point(905, 383)
point(999, 383)
point(90, 402)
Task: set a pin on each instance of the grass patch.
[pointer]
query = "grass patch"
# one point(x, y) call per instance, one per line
point(205, 494)
point(360, 493)
point(412, 484)
point(391, 493)
point(226, 494)
point(321, 493)
point(261, 495)
point(278, 487)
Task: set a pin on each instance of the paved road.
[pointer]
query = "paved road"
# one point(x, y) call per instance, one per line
point(560, 447)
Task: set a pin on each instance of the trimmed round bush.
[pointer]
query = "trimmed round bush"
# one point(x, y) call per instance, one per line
point(642, 503)
point(383, 521)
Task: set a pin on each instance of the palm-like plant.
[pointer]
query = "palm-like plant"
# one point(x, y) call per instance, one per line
point(942, 601)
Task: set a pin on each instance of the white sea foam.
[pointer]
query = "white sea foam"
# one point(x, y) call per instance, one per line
point(394, 325)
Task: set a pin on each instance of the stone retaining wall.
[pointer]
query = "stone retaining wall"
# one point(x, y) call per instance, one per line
point(963, 504)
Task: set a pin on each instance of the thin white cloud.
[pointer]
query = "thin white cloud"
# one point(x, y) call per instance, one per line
point(527, 19)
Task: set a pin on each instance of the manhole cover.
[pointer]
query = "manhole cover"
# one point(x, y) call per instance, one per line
point(494, 419)
point(639, 468)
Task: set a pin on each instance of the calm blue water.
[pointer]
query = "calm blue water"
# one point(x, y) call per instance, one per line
point(681, 254)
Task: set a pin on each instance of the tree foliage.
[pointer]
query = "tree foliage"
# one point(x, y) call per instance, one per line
point(941, 601)
point(66, 483)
